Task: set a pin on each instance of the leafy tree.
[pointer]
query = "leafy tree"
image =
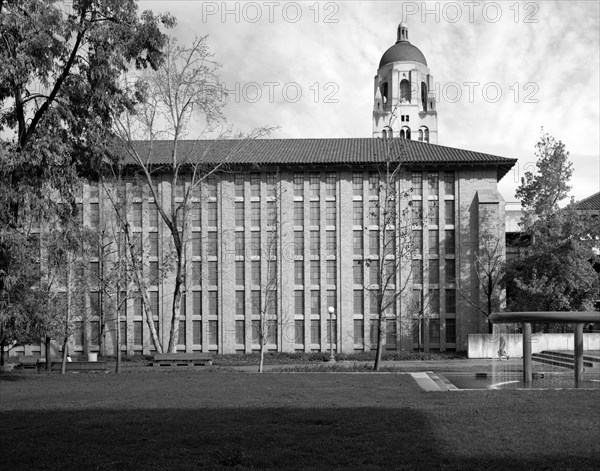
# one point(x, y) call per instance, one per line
point(554, 273)
point(59, 91)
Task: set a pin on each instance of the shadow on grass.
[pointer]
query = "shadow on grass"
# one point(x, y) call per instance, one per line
point(12, 377)
point(249, 438)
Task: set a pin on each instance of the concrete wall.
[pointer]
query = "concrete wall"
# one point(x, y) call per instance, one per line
point(486, 346)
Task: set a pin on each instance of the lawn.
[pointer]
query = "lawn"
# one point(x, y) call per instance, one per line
point(202, 419)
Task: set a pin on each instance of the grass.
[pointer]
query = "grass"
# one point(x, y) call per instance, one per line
point(206, 419)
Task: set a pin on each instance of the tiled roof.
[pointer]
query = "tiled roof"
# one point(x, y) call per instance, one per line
point(591, 203)
point(346, 151)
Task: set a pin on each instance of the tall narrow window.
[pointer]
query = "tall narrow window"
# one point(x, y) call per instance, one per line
point(254, 245)
point(153, 215)
point(95, 215)
point(450, 301)
point(315, 244)
point(357, 213)
point(299, 332)
point(449, 243)
point(298, 184)
point(255, 185)
point(298, 244)
point(357, 272)
point(239, 213)
point(373, 184)
point(298, 272)
point(434, 271)
point(298, 213)
point(450, 331)
point(357, 242)
point(211, 208)
point(315, 272)
point(331, 274)
point(315, 331)
point(255, 213)
point(314, 184)
point(315, 302)
point(331, 243)
point(417, 183)
point(417, 212)
point(197, 332)
point(359, 302)
point(315, 213)
point(449, 183)
point(239, 186)
point(299, 302)
point(213, 332)
point(359, 331)
point(330, 185)
point(450, 270)
point(433, 213)
point(330, 213)
point(417, 271)
point(449, 211)
point(271, 185)
point(240, 303)
point(433, 184)
point(417, 241)
point(405, 91)
point(240, 244)
point(240, 332)
point(211, 186)
point(255, 272)
point(357, 184)
point(434, 242)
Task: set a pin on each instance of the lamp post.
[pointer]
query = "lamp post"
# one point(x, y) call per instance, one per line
point(331, 310)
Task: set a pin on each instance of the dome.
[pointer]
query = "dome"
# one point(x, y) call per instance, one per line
point(402, 51)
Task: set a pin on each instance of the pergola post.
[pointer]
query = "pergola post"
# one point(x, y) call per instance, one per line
point(527, 361)
point(578, 360)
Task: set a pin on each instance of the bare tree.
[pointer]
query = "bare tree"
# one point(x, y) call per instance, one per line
point(391, 264)
point(184, 87)
point(488, 269)
point(269, 322)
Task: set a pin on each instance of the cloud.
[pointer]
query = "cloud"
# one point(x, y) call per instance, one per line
point(554, 63)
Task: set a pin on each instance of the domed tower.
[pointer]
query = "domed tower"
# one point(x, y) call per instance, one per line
point(404, 99)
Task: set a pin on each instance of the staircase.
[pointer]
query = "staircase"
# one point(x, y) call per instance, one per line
point(565, 359)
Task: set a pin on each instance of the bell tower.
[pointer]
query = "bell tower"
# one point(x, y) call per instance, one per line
point(404, 101)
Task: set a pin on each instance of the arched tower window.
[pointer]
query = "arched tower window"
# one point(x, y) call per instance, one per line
point(404, 91)
point(384, 92)
point(405, 132)
point(426, 137)
point(420, 135)
point(402, 135)
point(424, 134)
point(424, 95)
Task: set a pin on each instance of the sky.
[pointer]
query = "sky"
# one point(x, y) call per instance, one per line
point(504, 70)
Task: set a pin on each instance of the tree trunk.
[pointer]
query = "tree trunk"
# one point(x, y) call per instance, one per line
point(262, 357)
point(379, 351)
point(174, 333)
point(48, 360)
point(118, 341)
point(63, 366)
point(2, 353)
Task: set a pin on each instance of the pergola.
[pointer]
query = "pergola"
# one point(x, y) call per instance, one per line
point(579, 318)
